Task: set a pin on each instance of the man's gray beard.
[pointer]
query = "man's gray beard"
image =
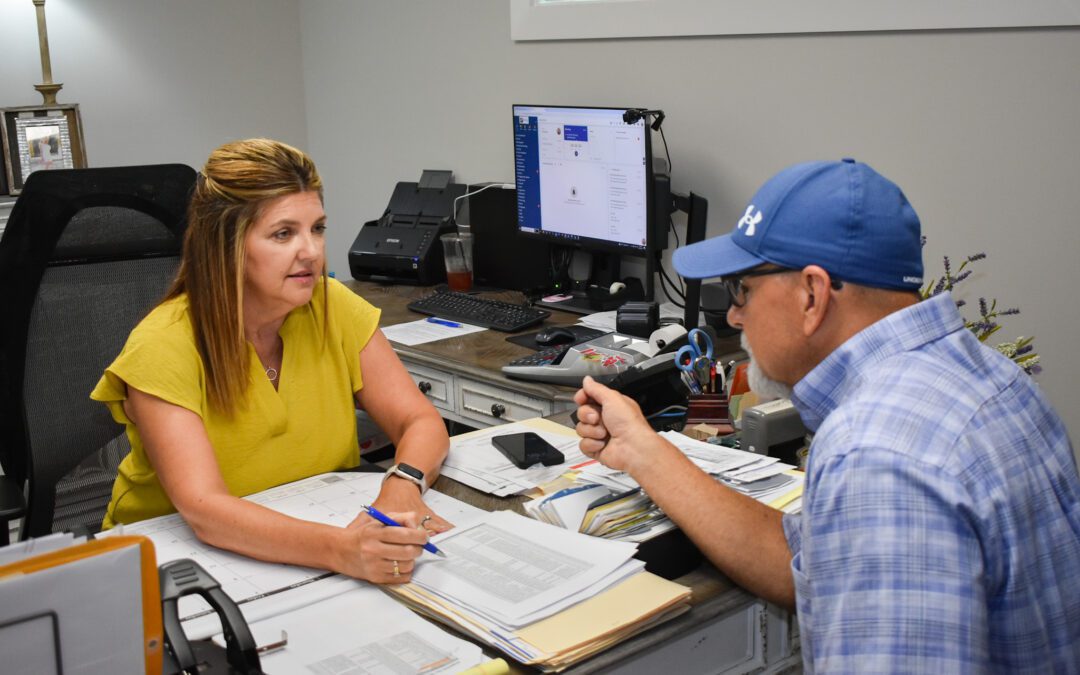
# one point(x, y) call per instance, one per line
point(760, 383)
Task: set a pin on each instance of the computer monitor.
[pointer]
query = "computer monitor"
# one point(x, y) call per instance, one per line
point(584, 178)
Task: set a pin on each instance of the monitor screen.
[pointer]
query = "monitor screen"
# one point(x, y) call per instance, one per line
point(582, 177)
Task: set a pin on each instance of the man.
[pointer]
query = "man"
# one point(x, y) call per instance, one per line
point(940, 526)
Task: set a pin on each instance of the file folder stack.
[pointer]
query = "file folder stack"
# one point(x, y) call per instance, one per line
point(608, 503)
point(545, 596)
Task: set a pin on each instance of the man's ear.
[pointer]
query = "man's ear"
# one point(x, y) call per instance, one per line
point(814, 285)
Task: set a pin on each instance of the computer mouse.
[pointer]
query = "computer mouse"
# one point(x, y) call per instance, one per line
point(555, 335)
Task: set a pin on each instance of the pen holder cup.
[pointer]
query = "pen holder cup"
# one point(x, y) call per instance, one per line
point(708, 409)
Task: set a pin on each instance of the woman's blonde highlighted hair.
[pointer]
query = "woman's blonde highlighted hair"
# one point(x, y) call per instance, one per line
point(239, 179)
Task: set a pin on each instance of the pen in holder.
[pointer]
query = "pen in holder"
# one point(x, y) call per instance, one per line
point(708, 409)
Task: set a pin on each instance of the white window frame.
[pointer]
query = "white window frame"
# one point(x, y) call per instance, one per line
point(585, 19)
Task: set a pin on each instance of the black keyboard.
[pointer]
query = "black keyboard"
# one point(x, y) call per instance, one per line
point(470, 309)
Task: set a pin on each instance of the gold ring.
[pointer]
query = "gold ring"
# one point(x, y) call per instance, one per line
point(397, 570)
point(424, 520)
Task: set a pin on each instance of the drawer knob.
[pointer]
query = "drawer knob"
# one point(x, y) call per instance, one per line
point(498, 409)
point(424, 386)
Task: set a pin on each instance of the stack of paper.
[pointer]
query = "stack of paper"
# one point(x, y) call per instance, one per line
point(474, 461)
point(593, 509)
point(566, 508)
point(629, 515)
point(541, 594)
point(336, 639)
point(546, 596)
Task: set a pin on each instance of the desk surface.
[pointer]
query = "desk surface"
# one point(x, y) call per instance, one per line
point(480, 356)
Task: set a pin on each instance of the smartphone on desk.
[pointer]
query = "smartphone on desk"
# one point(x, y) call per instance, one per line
point(526, 449)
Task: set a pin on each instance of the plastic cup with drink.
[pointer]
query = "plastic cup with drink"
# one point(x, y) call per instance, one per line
point(457, 248)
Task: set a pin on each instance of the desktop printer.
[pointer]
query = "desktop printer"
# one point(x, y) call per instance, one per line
point(402, 246)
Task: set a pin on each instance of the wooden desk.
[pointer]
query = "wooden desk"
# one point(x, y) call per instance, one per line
point(462, 376)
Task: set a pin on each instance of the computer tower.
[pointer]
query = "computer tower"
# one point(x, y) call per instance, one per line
point(501, 257)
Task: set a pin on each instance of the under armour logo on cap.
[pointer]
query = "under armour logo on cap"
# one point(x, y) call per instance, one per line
point(750, 219)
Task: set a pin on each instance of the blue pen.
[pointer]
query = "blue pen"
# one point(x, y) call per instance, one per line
point(444, 322)
point(390, 522)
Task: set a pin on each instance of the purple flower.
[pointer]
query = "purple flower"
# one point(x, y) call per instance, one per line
point(986, 322)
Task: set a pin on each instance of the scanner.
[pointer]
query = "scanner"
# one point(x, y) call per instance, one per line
point(402, 246)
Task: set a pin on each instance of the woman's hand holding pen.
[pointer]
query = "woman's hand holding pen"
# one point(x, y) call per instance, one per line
point(381, 554)
point(609, 424)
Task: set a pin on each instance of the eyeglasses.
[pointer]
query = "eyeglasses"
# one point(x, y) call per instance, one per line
point(734, 285)
point(737, 294)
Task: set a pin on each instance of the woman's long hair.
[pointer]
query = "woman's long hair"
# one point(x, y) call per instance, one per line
point(239, 179)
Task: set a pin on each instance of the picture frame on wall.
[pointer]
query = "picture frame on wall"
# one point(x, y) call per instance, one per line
point(39, 139)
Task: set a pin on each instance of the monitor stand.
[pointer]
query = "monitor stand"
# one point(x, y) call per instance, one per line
point(580, 303)
point(601, 271)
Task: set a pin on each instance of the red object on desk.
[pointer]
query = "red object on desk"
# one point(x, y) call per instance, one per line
point(740, 382)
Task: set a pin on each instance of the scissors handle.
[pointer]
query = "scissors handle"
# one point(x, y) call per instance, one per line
point(685, 357)
point(701, 343)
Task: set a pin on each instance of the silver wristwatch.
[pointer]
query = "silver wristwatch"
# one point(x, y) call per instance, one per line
point(409, 473)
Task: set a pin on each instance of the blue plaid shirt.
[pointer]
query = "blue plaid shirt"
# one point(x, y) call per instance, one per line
point(940, 527)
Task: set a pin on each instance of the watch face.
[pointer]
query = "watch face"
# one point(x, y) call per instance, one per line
point(411, 470)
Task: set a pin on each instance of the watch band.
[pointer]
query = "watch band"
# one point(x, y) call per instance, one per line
point(409, 473)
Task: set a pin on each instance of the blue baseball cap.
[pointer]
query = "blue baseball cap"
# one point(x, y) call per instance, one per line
point(842, 216)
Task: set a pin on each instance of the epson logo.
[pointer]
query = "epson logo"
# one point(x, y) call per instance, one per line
point(393, 241)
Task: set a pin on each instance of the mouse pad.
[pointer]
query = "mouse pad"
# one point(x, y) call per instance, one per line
point(583, 333)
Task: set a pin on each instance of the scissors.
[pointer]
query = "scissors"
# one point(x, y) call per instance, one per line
point(696, 358)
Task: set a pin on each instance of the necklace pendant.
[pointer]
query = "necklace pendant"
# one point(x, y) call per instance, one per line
point(271, 373)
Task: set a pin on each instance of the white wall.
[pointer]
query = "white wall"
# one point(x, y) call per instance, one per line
point(159, 81)
point(978, 127)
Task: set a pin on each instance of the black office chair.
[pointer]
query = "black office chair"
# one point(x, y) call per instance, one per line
point(86, 254)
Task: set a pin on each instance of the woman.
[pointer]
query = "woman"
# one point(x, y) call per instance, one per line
point(246, 376)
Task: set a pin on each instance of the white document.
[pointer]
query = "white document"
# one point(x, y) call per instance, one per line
point(476, 462)
point(21, 550)
point(263, 589)
point(514, 569)
point(361, 631)
point(712, 458)
point(617, 481)
point(421, 331)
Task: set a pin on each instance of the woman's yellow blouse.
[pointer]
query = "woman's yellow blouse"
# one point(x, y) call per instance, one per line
point(305, 427)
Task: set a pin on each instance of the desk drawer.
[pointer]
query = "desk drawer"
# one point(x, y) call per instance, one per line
point(490, 405)
point(436, 385)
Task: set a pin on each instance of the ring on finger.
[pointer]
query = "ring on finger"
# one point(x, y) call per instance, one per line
point(397, 570)
point(424, 520)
